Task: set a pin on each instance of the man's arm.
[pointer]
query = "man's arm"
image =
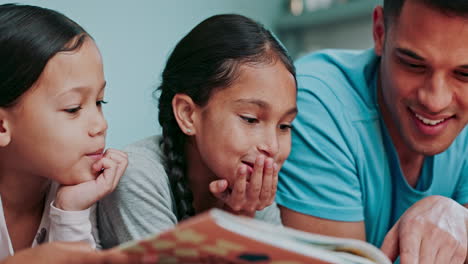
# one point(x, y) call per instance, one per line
point(322, 226)
point(466, 221)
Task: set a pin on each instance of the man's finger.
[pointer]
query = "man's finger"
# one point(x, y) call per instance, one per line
point(390, 245)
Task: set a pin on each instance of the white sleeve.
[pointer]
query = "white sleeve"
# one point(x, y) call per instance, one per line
point(74, 226)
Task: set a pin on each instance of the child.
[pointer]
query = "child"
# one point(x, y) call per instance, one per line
point(75, 253)
point(228, 98)
point(53, 166)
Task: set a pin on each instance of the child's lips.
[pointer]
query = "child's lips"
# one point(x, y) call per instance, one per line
point(97, 155)
point(250, 166)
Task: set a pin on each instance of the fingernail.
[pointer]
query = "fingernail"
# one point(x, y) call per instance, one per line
point(243, 169)
point(221, 184)
point(275, 166)
point(269, 163)
point(261, 160)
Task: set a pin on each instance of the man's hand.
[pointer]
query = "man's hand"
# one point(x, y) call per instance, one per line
point(82, 196)
point(433, 230)
point(249, 196)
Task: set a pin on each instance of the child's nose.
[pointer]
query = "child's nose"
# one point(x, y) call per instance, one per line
point(98, 125)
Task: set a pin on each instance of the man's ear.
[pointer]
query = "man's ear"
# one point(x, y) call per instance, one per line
point(5, 130)
point(184, 110)
point(378, 30)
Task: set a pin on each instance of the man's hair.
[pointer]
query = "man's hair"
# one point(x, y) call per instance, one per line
point(392, 8)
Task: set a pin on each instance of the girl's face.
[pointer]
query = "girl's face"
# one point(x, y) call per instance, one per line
point(58, 128)
point(251, 117)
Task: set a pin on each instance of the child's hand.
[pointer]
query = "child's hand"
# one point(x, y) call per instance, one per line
point(84, 195)
point(74, 253)
point(248, 196)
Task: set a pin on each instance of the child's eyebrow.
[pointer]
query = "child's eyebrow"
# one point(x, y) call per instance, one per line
point(81, 90)
point(257, 102)
point(292, 111)
point(264, 105)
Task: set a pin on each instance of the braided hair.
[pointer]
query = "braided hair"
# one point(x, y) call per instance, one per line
point(207, 59)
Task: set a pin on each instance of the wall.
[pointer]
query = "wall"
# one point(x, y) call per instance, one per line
point(135, 38)
point(344, 25)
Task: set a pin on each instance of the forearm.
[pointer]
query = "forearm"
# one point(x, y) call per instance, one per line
point(72, 226)
point(13, 260)
point(466, 223)
point(322, 226)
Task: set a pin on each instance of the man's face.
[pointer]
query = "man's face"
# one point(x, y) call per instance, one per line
point(423, 77)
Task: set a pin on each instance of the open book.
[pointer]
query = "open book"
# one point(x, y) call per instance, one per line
point(220, 237)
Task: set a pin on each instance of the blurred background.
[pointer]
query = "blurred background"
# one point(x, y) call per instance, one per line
point(136, 37)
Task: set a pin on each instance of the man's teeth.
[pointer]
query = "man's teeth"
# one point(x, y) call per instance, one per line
point(429, 121)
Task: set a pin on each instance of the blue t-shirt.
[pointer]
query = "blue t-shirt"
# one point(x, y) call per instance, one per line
point(343, 165)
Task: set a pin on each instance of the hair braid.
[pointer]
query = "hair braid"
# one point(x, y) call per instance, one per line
point(172, 144)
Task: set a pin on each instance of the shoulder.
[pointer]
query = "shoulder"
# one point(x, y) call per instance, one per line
point(145, 176)
point(340, 79)
point(142, 203)
point(457, 153)
point(148, 147)
point(145, 161)
point(320, 63)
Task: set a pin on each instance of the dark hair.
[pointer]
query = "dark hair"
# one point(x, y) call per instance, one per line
point(29, 37)
point(207, 59)
point(392, 8)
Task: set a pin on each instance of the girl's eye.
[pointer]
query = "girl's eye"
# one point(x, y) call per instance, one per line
point(250, 120)
point(100, 102)
point(285, 127)
point(73, 110)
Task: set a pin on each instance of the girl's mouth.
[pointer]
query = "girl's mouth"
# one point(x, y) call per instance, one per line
point(250, 167)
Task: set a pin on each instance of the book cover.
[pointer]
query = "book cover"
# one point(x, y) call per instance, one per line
point(219, 237)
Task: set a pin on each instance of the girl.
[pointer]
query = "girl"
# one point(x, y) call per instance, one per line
point(53, 166)
point(228, 98)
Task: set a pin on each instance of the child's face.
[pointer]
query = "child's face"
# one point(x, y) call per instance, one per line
point(251, 117)
point(58, 128)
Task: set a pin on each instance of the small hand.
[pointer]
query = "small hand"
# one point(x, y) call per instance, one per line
point(433, 230)
point(81, 196)
point(75, 253)
point(248, 196)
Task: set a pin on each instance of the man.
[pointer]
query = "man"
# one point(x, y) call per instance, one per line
point(380, 148)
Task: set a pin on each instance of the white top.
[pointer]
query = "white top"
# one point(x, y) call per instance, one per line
point(56, 225)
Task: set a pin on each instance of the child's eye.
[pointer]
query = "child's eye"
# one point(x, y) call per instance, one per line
point(250, 120)
point(73, 110)
point(285, 127)
point(100, 102)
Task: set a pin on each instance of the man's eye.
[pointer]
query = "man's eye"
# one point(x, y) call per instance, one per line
point(462, 74)
point(413, 65)
point(410, 65)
